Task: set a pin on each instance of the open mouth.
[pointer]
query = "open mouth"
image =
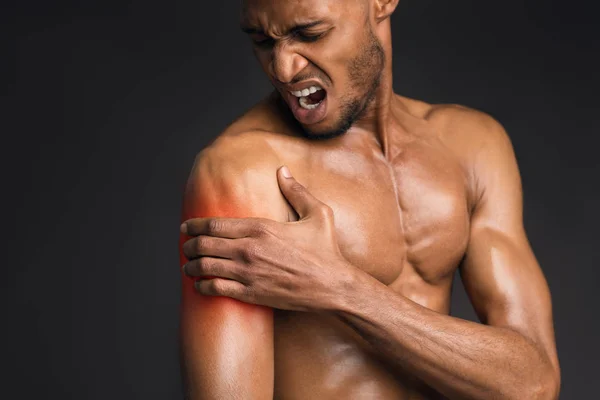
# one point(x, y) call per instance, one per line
point(308, 105)
point(310, 98)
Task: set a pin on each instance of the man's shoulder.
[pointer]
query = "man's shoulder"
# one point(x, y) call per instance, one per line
point(238, 173)
point(234, 156)
point(466, 130)
point(476, 139)
point(455, 124)
point(470, 134)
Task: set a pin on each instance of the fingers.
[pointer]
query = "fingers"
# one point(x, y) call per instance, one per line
point(210, 267)
point(298, 196)
point(208, 246)
point(223, 287)
point(231, 228)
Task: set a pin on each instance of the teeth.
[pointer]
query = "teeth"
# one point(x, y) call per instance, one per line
point(306, 92)
point(305, 105)
point(302, 97)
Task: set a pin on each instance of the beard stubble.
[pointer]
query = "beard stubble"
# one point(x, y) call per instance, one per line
point(364, 71)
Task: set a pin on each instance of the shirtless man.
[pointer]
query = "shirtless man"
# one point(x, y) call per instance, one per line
point(336, 283)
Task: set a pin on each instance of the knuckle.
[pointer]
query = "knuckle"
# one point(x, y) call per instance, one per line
point(203, 265)
point(250, 251)
point(214, 226)
point(296, 187)
point(219, 286)
point(260, 229)
point(325, 211)
point(215, 286)
point(201, 243)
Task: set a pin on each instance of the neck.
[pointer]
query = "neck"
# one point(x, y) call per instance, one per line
point(377, 119)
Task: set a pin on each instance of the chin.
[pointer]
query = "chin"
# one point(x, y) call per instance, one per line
point(324, 133)
point(349, 113)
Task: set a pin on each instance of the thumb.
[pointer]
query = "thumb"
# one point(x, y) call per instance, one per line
point(296, 194)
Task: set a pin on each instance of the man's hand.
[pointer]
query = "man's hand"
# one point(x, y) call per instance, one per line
point(293, 266)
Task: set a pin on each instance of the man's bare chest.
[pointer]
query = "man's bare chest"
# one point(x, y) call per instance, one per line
point(398, 220)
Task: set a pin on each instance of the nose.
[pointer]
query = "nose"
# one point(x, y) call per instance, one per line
point(286, 63)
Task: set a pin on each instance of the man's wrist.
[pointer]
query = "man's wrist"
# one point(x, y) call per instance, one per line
point(349, 289)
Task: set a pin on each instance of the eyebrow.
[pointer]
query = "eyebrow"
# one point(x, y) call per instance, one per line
point(295, 29)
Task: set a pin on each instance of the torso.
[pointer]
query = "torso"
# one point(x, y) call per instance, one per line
point(402, 217)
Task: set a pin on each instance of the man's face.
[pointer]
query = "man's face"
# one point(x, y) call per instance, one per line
point(323, 46)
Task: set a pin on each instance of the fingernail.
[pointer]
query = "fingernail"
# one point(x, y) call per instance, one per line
point(183, 228)
point(286, 172)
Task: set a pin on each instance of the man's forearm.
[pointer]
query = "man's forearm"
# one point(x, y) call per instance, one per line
point(458, 358)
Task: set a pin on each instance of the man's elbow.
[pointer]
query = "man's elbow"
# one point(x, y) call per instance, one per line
point(547, 387)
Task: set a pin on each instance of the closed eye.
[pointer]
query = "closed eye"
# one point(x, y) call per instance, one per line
point(309, 38)
point(264, 42)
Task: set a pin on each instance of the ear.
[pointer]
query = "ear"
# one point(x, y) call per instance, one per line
point(384, 8)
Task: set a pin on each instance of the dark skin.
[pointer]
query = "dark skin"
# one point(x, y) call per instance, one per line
point(329, 258)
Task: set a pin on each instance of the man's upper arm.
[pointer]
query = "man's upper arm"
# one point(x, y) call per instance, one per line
point(227, 345)
point(500, 272)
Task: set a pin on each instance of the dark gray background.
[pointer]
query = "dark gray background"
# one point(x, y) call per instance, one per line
point(107, 103)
